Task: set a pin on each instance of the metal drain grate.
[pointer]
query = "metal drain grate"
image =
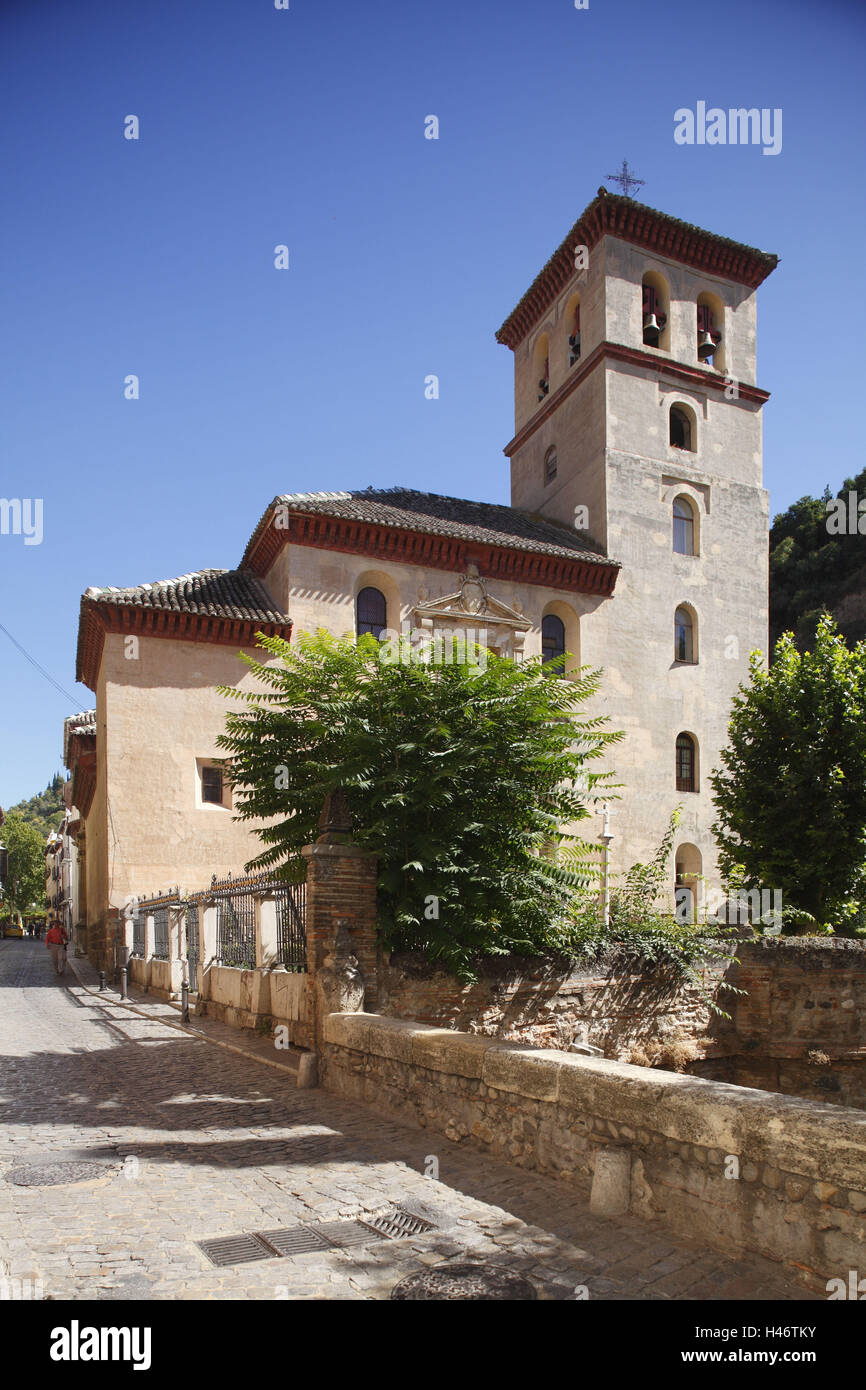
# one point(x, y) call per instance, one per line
point(326, 1235)
point(296, 1240)
point(398, 1223)
point(343, 1234)
point(236, 1250)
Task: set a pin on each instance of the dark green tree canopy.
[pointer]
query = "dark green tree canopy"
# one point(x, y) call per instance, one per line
point(815, 569)
point(791, 790)
point(459, 779)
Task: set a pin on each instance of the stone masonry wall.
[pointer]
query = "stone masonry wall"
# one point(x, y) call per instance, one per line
point(532, 1001)
point(798, 1028)
point(742, 1170)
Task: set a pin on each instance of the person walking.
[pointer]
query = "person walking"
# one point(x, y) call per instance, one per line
point(56, 941)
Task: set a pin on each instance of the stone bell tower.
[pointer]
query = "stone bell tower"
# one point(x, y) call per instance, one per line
point(638, 420)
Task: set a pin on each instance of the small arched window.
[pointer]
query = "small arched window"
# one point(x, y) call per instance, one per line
point(684, 527)
point(681, 432)
point(550, 464)
point(684, 636)
point(686, 763)
point(552, 637)
point(371, 612)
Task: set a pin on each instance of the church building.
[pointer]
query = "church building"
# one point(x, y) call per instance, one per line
point(636, 540)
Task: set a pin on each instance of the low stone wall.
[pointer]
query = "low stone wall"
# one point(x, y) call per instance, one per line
point(797, 1027)
point(799, 1194)
point(259, 999)
point(533, 1001)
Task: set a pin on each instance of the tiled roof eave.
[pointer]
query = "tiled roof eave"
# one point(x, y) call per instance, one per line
point(555, 566)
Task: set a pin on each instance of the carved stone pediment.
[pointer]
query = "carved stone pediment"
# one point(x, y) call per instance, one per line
point(471, 605)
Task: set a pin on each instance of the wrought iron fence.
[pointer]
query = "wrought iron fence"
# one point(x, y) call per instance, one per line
point(236, 922)
point(235, 901)
point(292, 926)
point(160, 934)
point(193, 949)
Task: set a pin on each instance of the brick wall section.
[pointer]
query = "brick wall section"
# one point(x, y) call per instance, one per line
point(798, 1029)
point(341, 891)
point(800, 1193)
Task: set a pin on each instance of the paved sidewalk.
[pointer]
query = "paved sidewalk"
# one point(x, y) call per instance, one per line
point(203, 1142)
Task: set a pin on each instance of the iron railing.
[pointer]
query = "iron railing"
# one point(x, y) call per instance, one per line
point(236, 921)
point(193, 949)
point(160, 934)
point(235, 901)
point(292, 926)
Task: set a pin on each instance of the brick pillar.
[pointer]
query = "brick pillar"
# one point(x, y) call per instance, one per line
point(341, 892)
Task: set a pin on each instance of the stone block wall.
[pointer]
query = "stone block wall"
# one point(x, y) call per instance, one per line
point(532, 1001)
point(742, 1170)
point(798, 1029)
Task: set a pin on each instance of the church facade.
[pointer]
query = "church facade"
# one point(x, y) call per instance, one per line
point(636, 540)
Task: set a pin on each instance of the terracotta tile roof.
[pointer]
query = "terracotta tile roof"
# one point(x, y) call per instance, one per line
point(430, 513)
point(214, 593)
point(609, 214)
point(81, 725)
point(210, 605)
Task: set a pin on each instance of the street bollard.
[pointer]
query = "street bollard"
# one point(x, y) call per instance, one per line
point(102, 979)
point(184, 1002)
point(123, 982)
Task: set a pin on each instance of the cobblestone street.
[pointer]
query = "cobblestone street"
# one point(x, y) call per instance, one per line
point(203, 1143)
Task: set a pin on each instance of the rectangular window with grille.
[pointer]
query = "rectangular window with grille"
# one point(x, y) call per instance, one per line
point(212, 785)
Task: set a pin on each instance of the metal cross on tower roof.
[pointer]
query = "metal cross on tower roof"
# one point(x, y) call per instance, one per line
point(626, 178)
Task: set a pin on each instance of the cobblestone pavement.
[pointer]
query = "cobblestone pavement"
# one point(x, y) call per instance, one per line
point(203, 1143)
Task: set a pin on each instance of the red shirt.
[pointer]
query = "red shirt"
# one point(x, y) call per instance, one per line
point(56, 936)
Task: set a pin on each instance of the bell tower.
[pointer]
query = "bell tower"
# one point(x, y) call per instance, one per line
point(638, 420)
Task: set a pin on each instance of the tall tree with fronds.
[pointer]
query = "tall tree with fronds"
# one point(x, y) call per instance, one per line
point(461, 778)
point(791, 790)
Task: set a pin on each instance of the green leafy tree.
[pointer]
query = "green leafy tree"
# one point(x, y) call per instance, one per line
point(818, 564)
point(791, 791)
point(460, 779)
point(25, 882)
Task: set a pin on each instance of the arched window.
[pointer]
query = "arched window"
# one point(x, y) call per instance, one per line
point(371, 613)
point(550, 464)
point(686, 763)
point(656, 332)
point(681, 431)
point(552, 637)
point(684, 527)
point(572, 319)
point(684, 636)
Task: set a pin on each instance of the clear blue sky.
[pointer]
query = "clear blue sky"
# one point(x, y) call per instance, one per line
point(306, 127)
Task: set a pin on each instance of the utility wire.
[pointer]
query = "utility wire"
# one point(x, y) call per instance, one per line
point(41, 669)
